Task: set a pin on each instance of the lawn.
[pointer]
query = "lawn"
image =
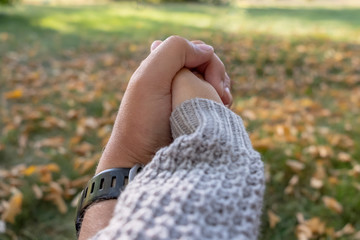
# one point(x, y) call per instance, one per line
point(296, 83)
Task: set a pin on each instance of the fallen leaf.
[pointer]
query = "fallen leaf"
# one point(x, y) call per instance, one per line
point(2, 226)
point(316, 183)
point(37, 191)
point(346, 230)
point(296, 166)
point(316, 225)
point(58, 201)
point(30, 170)
point(357, 236)
point(50, 142)
point(17, 93)
point(14, 207)
point(303, 232)
point(332, 204)
point(84, 148)
point(344, 157)
point(273, 218)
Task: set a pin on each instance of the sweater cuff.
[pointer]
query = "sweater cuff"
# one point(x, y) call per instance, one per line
point(210, 120)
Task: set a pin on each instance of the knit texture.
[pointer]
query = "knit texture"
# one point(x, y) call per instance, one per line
point(208, 184)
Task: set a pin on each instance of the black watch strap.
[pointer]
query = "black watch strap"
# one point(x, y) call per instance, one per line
point(107, 184)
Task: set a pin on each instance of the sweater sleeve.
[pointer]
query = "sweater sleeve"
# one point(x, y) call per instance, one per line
point(208, 184)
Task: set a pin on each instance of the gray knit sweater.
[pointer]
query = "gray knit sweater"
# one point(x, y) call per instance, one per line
point(208, 184)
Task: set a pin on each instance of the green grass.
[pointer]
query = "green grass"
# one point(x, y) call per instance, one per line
point(78, 58)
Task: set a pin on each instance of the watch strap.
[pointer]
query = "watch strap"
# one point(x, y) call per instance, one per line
point(107, 184)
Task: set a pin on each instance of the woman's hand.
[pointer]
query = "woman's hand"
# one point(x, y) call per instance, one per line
point(142, 124)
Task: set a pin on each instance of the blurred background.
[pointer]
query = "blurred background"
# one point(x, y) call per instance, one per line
point(295, 68)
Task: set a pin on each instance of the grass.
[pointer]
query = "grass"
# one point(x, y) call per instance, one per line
point(295, 82)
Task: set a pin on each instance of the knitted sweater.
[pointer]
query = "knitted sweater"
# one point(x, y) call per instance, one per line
point(207, 184)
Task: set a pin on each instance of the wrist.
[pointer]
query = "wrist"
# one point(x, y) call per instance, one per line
point(115, 156)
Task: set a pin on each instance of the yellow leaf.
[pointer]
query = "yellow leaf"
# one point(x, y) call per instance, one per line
point(45, 177)
point(52, 167)
point(332, 204)
point(17, 93)
point(273, 218)
point(30, 170)
point(133, 47)
point(14, 207)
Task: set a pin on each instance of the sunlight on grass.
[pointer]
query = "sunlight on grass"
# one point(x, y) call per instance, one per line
point(128, 18)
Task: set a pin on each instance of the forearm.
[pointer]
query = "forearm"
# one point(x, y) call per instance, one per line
point(96, 218)
point(207, 184)
point(98, 215)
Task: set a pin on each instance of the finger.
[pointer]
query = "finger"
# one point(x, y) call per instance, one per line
point(167, 59)
point(214, 72)
point(197, 42)
point(227, 84)
point(155, 44)
point(186, 85)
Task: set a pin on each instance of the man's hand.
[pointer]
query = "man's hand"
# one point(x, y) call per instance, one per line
point(142, 125)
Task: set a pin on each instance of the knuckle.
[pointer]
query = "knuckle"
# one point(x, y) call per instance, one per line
point(176, 40)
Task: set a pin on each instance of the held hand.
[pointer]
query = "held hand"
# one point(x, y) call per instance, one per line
point(186, 85)
point(142, 124)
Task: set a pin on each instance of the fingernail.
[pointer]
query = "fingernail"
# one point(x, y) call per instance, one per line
point(228, 96)
point(155, 44)
point(204, 47)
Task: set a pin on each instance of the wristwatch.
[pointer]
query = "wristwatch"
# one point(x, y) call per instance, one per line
point(105, 185)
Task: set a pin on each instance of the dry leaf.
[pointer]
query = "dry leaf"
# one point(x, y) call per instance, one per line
point(316, 225)
point(332, 204)
point(2, 226)
point(30, 170)
point(303, 232)
point(346, 230)
point(296, 166)
point(357, 236)
point(248, 114)
point(316, 183)
point(14, 207)
point(84, 148)
point(273, 218)
point(75, 200)
point(50, 142)
point(52, 167)
point(344, 157)
point(37, 191)
point(58, 201)
point(17, 93)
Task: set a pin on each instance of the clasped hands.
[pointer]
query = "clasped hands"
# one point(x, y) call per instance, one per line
point(162, 82)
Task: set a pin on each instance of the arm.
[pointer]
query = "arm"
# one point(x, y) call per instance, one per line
point(208, 184)
point(142, 125)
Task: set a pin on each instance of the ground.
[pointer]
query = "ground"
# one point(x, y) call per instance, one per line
point(296, 81)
